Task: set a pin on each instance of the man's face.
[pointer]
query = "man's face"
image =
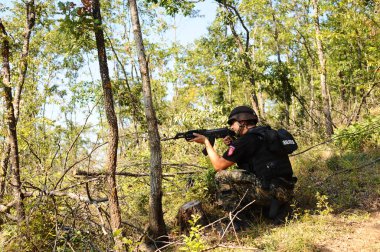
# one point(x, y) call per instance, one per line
point(235, 126)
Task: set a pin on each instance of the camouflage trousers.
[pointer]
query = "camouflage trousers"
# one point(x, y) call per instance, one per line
point(238, 187)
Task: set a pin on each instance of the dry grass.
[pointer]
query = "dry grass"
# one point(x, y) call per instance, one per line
point(337, 210)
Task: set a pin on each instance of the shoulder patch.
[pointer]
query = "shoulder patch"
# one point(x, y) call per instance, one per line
point(231, 150)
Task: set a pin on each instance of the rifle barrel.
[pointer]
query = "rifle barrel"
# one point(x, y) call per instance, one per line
point(168, 138)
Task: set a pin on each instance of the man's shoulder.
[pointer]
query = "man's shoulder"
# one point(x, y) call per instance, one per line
point(256, 133)
point(245, 138)
point(258, 130)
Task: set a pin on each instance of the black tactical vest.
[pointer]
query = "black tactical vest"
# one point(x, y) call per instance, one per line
point(268, 163)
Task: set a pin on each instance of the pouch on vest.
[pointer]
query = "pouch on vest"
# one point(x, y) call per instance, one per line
point(277, 141)
point(289, 144)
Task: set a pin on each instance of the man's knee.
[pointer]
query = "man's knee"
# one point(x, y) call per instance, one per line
point(237, 176)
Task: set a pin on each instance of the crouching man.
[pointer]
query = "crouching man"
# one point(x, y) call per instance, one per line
point(264, 177)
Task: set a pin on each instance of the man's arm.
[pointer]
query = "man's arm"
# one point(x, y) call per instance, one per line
point(217, 161)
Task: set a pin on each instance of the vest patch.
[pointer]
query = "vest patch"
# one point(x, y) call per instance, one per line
point(287, 142)
point(231, 150)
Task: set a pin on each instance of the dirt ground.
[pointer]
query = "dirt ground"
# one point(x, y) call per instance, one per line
point(362, 236)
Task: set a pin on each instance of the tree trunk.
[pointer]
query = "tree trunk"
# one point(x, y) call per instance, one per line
point(251, 77)
point(23, 66)
point(244, 50)
point(114, 208)
point(322, 72)
point(10, 122)
point(186, 213)
point(261, 102)
point(312, 101)
point(157, 229)
point(4, 168)
point(260, 98)
point(30, 21)
point(283, 76)
point(343, 96)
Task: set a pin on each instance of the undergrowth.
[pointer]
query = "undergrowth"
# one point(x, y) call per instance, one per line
point(334, 189)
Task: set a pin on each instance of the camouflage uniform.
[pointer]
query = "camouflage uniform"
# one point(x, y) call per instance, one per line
point(234, 186)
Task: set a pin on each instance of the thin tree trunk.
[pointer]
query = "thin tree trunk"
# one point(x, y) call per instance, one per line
point(157, 229)
point(4, 168)
point(11, 126)
point(30, 21)
point(260, 98)
point(261, 101)
point(343, 95)
point(229, 88)
point(251, 77)
point(133, 100)
point(283, 77)
point(244, 50)
point(23, 66)
point(312, 101)
point(323, 72)
point(355, 116)
point(114, 208)
point(310, 80)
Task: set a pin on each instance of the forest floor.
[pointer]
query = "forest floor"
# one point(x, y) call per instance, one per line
point(358, 232)
point(361, 236)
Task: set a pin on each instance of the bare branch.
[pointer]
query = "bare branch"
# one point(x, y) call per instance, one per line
point(234, 10)
point(7, 207)
point(232, 247)
point(130, 174)
point(75, 140)
point(164, 164)
point(101, 220)
point(55, 155)
point(78, 184)
point(31, 149)
point(355, 116)
point(77, 197)
point(77, 162)
point(80, 198)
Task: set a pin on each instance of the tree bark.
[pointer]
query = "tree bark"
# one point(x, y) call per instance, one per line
point(114, 208)
point(23, 66)
point(4, 168)
point(322, 72)
point(11, 126)
point(157, 229)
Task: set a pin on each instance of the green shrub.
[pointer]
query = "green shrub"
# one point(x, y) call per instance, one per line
point(359, 136)
point(193, 241)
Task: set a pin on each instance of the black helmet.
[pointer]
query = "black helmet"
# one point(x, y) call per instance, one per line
point(242, 113)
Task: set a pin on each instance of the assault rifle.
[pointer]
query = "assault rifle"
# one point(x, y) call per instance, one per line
point(211, 134)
